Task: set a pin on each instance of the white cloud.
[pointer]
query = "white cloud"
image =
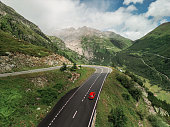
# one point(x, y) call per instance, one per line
point(127, 2)
point(131, 8)
point(159, 9)
point(163, 21)
point(58, 14)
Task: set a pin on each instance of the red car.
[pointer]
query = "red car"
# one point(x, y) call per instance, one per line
point(91, 95)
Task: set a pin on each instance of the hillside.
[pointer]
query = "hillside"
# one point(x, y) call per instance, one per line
point(120, 105)
point(16, 55)
point(156, 42)
point(97, 46)
point(16, 25)
point(27, 99)
point(149, 56)
point(68, 53)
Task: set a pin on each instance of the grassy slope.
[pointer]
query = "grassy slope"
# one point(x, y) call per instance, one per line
point(21, 28)
point(103, 49)
point(146, 48)
point(20, 98)
point(13, 23)
point(111, 97)
point(157, 41)
point(120, 41)
point(158, 91)
point(11, 44)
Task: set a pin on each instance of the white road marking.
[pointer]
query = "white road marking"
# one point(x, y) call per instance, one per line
point(93, 84)
point(97, 99)
point(70, 99)
point(74, 114)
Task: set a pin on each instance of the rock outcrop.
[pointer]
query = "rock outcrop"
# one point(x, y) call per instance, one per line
point(18, 60)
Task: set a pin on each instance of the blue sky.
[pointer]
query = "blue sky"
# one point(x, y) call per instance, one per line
point(116, 4)
point(130, 18)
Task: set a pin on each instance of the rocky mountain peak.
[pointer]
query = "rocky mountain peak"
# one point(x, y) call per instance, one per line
point(72, 38)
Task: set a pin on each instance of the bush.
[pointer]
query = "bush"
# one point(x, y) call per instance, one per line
point(129, 85)
point(126, 96)
point(141, 114)
point(158, 103)
point(156, 121)
point(74, 66)
point(136, 93)
point(72, 69)
point(117, 117)
point(47, 95)
point(125, 81)
point(113, 65)
point(134, 78)
point(64, 67)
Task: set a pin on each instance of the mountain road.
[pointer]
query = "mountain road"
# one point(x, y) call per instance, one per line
point(74, 109)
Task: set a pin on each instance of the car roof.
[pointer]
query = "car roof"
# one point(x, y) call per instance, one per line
point(92, 93)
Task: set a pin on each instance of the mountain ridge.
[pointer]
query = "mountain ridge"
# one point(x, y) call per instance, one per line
point(149, 56)
point(88, 41)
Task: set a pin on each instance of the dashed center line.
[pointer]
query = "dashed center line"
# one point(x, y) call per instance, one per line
point(72, 96)
point(74, 114)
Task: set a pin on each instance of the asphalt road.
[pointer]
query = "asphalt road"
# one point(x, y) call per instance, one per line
point(75, 109)
point(29, 71)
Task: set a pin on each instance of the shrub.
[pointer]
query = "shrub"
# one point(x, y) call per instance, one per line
point(126, 96)
point(141, 114)
point(47, 95)
point(124, 81)
point(136, 93)
point(117, 117)
point(158, 103)
point(129, 85)
point(72, 69)
point(113, 65)
point(58, 86)
point(74, 66)
point(156, 121)
point(64, 67)
point(134, 78)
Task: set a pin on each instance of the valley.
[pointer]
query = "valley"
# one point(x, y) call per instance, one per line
point(136, 91)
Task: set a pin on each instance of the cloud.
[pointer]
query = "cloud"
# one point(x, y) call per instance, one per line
point(130, 25)
point(58, 14)
point(159, 9)
point(163, 21)
point(127, 2)
point(131, 8)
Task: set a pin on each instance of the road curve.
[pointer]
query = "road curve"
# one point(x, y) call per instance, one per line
point(75, 109)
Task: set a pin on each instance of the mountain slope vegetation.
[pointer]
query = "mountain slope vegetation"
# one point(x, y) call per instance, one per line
point(119, 107)
point(68, 53)
point(97, 46)
point(27, 99)
point(156, 42)
point(149, 56)
point(9, 43)
point(16, 25)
